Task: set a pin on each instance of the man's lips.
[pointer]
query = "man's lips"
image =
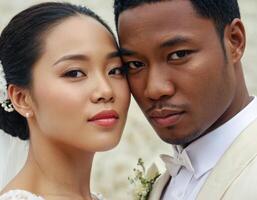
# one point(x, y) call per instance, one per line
point(165, 117)
point(106, 118)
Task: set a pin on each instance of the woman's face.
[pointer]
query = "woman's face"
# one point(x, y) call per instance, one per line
point(80, 94)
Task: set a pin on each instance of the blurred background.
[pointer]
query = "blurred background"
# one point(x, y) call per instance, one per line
point(111, 169)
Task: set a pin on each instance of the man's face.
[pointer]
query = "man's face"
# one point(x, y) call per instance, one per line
point(178, 71)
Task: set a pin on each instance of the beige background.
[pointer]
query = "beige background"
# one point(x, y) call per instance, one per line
point(112, 168)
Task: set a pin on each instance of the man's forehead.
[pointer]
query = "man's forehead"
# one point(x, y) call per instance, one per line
point(162, 26)
point(158, 17)
point(152, 10)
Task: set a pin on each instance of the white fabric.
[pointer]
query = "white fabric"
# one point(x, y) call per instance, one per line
point(205, 152)
point(19, 195)
point(25, 195)
point(13, 154)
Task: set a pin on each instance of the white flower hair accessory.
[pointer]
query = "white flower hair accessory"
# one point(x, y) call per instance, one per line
point(4, 100)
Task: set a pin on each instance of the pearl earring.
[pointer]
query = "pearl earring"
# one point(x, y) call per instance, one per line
point(27, 115)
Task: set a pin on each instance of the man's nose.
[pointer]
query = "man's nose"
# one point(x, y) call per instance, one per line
point(158, 85)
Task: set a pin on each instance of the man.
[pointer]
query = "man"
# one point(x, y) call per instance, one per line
point(184, 70)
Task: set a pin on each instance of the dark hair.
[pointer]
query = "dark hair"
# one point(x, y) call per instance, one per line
point(221, 12)
point(21, 45)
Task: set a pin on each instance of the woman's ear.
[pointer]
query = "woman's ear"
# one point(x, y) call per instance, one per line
point(21, 100)
point(235, 36)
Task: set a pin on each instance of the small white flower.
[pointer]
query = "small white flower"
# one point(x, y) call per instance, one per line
point(3, 85)
point(4, 101)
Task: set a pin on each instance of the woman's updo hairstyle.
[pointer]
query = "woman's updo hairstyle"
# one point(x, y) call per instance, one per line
point(22, 44)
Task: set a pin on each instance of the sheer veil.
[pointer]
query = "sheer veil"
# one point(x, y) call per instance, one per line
point(13, 154)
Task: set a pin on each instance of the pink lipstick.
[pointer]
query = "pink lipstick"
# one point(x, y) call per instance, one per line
point(107, 118)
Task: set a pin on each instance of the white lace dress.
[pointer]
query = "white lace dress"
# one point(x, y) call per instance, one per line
point(25, 195)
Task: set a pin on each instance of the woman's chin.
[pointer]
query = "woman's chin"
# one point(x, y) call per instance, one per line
point(106, 146)
point(103, 144)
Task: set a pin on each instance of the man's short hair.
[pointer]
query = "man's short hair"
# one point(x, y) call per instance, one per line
point(221, 12)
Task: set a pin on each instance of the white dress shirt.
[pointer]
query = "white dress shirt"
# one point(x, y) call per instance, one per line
point(205, 152)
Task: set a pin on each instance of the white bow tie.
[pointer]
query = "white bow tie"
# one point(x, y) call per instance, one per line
point(179, 159)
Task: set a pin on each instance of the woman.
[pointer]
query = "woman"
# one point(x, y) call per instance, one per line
point(66, 93)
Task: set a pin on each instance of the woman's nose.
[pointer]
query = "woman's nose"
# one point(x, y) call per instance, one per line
point(103, 91)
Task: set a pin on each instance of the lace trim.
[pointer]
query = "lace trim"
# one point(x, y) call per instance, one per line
point(97, 196)
point(25, 195)
point(19, 195)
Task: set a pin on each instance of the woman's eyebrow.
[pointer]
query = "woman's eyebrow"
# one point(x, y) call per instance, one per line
point(72, 57)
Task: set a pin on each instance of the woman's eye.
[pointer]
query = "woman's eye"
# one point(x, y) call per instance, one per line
point(179, 55)
point(74, 74)
point(117, 71)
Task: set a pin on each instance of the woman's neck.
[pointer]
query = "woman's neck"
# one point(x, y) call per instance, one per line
point(58, 170)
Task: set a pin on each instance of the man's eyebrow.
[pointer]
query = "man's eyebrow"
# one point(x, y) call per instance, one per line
point(126, 52)
point(168, 43)
point(72, 57)
point(174, 41)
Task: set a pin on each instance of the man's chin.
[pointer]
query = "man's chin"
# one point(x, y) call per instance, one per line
point(184, 140)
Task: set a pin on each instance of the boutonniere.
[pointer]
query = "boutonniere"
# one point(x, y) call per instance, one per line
point(143, 181)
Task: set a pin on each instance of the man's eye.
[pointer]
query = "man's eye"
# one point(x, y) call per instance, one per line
point(132, 65)
point(74, 74)
point(117, 71)
point(178, 55)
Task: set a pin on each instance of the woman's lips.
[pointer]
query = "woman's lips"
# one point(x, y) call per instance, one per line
point(107, 118)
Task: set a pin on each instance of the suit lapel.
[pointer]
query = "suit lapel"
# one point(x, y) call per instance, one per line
point(230, 166)
point(159, 186)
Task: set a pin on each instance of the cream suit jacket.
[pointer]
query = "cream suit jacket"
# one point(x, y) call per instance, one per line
point(233, 178)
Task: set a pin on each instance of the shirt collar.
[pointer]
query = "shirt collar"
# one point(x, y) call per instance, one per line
point(205, 152)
